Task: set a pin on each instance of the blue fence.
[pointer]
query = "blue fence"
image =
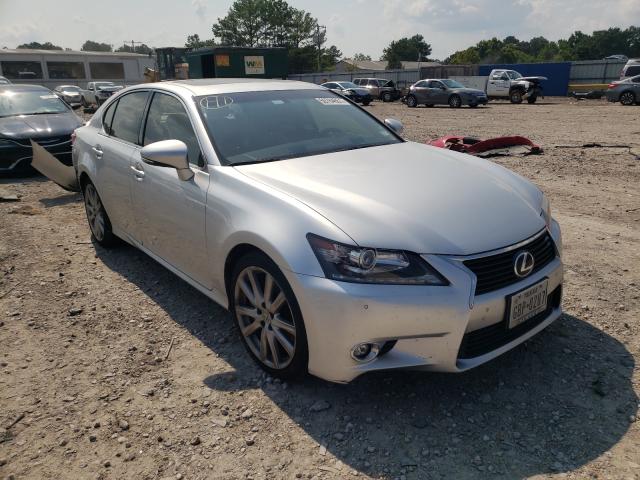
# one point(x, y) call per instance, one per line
point(558, 74)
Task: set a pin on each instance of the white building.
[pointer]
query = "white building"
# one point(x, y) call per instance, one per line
point(66, 67)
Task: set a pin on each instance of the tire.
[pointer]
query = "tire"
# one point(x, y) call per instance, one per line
point(412, 101)
point(627, 98)
point(430, 105)
point(386, 97)
point(531, 100)
point(274, 335)
point(97, 217)
point(515, 96)
point(455, 101)
point(473, 105)
point(366, 103)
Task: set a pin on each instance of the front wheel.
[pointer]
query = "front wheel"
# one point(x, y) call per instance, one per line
point(268, 317)
point(531, 100)
point(412, 101)
point(366, 103)
point(386, 97)
point(627, 98)
point(97, 217)
point(515, 96)
point(455, 101)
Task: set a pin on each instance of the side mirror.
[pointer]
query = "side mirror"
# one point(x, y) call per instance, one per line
point(395, 125)
point(168, 153)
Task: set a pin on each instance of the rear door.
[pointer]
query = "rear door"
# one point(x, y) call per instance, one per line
point(421, 91)
point(169, 212)
point(114, 145)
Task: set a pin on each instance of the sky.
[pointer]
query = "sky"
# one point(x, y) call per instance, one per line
point(354, 26)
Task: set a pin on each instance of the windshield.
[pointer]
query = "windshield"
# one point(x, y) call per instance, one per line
point(452, 83)
point(254, 127)
point(513, 75)
point(30, 103)
point(348, 85)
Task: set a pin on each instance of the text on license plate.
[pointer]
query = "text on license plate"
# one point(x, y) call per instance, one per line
point(528, 303)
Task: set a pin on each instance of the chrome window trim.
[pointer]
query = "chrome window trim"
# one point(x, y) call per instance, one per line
point(489, 253)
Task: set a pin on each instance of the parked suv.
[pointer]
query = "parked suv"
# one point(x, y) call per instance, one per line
point(380, 88)
point(631, 69)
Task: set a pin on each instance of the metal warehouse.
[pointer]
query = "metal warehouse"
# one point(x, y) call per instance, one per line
point(54, 67)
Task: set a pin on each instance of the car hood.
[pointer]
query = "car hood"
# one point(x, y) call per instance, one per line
point(39, 126)
point(113, 88)
point(412, 197)
point(359, 91)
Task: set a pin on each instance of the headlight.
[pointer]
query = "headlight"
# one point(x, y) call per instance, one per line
point(348, 263)
point(546, 211)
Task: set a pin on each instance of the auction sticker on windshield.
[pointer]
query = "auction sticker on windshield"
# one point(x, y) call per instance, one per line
point(332, 101)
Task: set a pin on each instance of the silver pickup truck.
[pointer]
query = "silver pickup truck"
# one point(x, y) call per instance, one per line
point(97, 92)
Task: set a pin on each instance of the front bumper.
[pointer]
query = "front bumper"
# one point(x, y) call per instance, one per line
point(472, 100)
point(15, 157)
point(427, 324)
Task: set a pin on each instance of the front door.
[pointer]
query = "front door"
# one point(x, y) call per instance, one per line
point(170, 213)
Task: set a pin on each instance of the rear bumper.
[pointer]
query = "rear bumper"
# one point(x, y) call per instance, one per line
point(429, 325)
point(613, 96)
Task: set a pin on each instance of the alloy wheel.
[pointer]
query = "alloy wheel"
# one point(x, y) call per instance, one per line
point(265, 317)
point(95, 212)
point(627, 98)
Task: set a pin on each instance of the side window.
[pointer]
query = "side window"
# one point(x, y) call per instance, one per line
point(107, 118)
point(357, 81)
point(632, 71)
point(496, 76)
point(168, 120)
point(504, 76)
point(128, 116)
point(636, 80)
point(421, 84)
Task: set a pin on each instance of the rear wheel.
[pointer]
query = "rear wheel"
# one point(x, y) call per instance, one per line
point(412, 101)
point(268, 317)
point(627, 98)
point(455, 101)
point(515, 96)
point(97, 217)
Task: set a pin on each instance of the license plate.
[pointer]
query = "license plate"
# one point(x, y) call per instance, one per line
point(528, 303)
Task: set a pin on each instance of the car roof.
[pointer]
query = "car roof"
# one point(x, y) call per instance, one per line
point(211, 86)
point(23, 88)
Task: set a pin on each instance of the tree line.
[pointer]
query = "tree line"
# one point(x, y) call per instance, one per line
point(579, 46)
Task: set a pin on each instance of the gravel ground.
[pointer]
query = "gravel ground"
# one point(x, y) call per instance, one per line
point(113, 368)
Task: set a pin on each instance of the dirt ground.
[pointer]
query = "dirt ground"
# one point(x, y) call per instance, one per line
point(113, 368)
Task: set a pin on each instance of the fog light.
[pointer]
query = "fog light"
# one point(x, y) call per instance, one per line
point(364, 352)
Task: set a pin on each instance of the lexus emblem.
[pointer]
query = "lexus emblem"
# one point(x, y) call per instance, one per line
point(523, 264)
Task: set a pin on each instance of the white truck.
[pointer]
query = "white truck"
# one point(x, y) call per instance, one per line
point(502, 83)
point(97, 92)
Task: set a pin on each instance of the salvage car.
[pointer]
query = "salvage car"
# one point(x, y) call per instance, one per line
point(351, 91)
point(70, 94)
point(97, 92)
point(380, 88)
point(512, 85)
point(32, 112)
point(338, 247)
point(444, 91)
point(627, 91)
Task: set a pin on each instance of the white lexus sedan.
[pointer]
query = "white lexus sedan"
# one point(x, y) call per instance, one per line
point(338, 247)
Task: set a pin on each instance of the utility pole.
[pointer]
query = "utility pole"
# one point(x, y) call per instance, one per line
point(133, 44)
point(319, 40)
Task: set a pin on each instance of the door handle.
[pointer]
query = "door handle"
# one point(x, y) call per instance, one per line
point(138, 172)
point(97, 150)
